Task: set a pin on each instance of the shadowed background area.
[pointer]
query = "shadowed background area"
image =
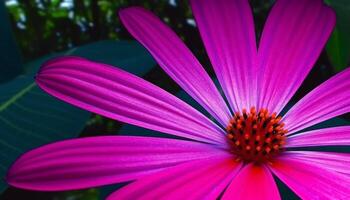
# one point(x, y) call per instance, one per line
point(36, 30)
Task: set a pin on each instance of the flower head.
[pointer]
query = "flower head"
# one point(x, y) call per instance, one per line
point(234, 156)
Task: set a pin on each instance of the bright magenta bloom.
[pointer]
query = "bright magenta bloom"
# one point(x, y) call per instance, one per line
point(236, 156)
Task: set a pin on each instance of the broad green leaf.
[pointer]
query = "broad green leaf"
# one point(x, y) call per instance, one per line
point(338, 46)
point(89, 194)
point(30, 118)
point(10, 58)
point(126, 55)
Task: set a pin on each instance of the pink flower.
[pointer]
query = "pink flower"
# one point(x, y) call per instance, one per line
point(235, 157)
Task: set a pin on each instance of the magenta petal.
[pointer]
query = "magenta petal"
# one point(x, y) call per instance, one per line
point(227, 29)
point(339, 162)
point(253, 182)
point(322, 137)
point(293, 38)
point(176, 60)
point(330, 99)
point(116, 94)
point(204, 179)
point(311, 180)
point(95, 161)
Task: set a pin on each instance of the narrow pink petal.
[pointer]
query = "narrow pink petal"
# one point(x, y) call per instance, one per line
point(253, 182)
point(334, 136)
point(339, 162)
point(311, 180)
point(292, 40)
point(116, 94)
point(204, 179)
point(176, 60)
point(95, 161)
point(330, 99)
point(227, 29)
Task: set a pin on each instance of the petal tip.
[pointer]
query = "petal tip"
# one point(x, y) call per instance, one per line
point(10, 177)
point(56, 62)
point(61, 59)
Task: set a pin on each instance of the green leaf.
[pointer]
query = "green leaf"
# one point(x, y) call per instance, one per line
point(126, 55)
point(89, 194)
point(30, 118)
point(10, 58)
point(338, 46)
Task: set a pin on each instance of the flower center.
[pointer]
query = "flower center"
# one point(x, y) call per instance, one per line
point(256, 136)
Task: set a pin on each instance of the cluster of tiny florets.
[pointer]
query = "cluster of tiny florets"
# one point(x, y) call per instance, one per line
point(256, 136)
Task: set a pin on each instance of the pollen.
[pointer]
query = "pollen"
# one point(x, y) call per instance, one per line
point(256, 136)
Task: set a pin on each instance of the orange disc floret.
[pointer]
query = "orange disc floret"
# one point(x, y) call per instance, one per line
point(256, 136)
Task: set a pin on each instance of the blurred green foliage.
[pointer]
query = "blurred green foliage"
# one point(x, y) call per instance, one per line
point(11, 62)
point(338, 47)
point(44, 26)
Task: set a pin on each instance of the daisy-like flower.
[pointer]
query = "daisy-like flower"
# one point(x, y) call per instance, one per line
point(234, 157)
